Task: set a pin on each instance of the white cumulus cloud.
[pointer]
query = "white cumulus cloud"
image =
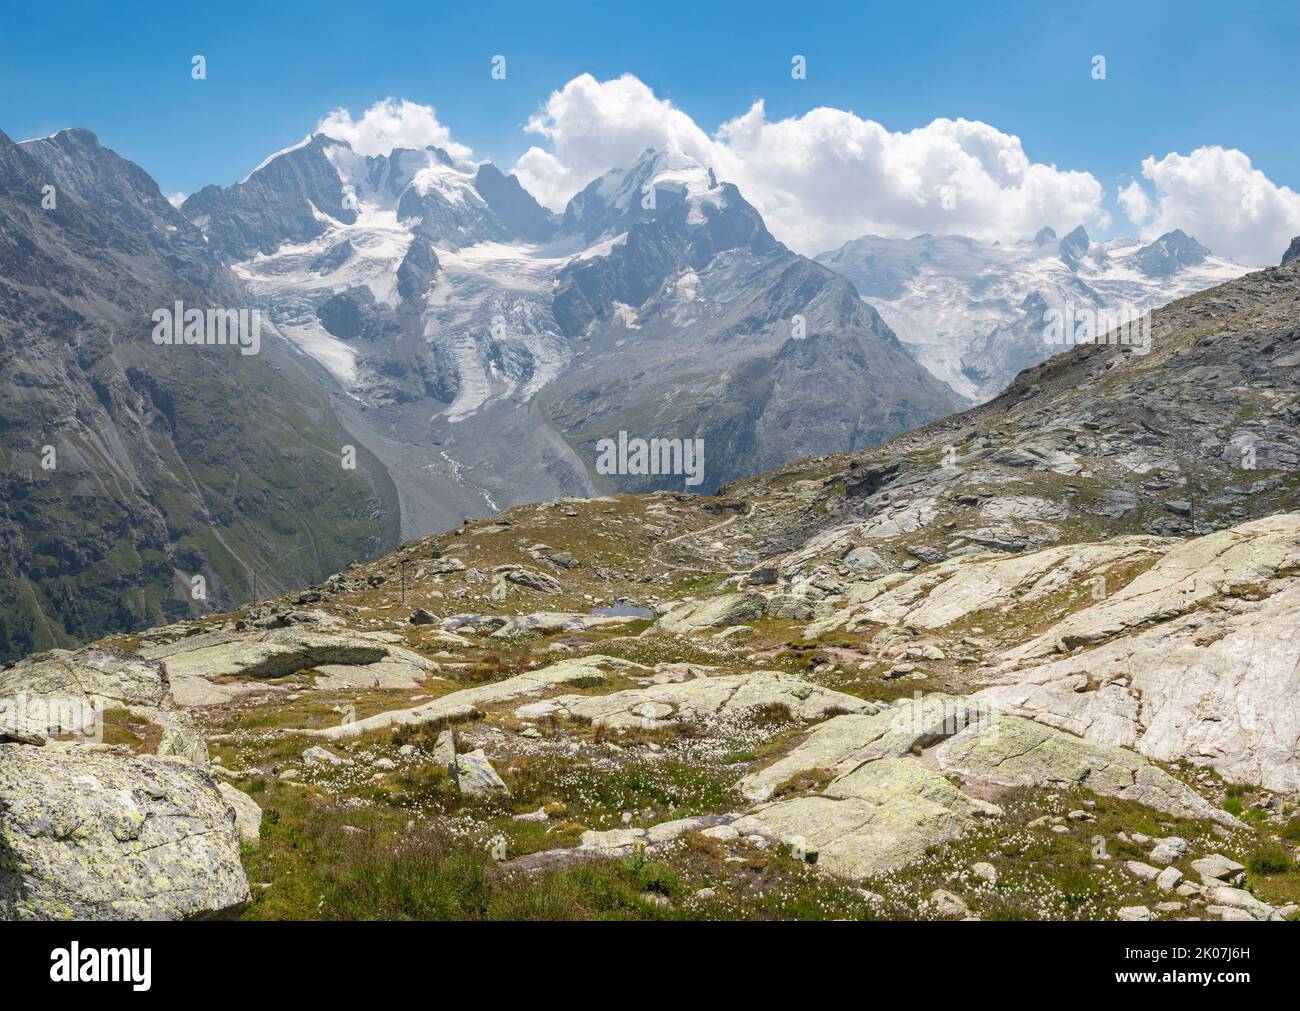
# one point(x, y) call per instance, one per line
point(819, 179)
point(593, 126)
point(389, 124)
point(1217, 196)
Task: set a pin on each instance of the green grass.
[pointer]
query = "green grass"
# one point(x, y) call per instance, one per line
point(1236, 807)
point(325, 860)
point(1269, 859)
point(652, 790)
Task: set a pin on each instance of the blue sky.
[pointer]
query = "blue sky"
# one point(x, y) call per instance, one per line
point(1180, 76)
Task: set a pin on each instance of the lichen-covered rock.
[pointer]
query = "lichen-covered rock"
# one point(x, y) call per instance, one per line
point(444, 750)
point(614, 841)
point(716, 612)
point(1193, 572)
point(1215, 869)
point(557, 621)
point(474, 774)
point(68, 692)
point(318, 756)
point(845, 742)
point(948, 905)
point(90, 835)
point(693, 701)
point(880, 817)
point(885, 804)
point(1018, 752)
point(959, 587)
point(180, 737)
point(216, 667)
point(1215, 685)
point(387, 673)
point(98, 673)
point(464, 703)
point(522, 575)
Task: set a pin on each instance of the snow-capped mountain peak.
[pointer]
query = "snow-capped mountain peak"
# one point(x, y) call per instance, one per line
point(479, 346)
point(668, 168)
point(1170, 253)
point(382, 180)
point(658, 176)
point(972, 312)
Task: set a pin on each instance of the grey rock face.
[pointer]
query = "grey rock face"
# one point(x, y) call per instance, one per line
point(275, 204)
point(731, 338)
point(1169, 254)
point(418, 268)
point(1292, 251)
point(85, 835)
point(1074, 246)
point(345, 315)
point(514, 206)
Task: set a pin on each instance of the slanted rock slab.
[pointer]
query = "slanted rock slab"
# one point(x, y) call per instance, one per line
point(716, 612)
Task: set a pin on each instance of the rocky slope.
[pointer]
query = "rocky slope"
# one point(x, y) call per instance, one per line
point(973, 312)
point(1050, 672)
point(127, 468)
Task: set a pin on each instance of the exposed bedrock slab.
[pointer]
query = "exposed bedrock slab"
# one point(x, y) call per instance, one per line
point(197, 665)
point(1225, 563)
point(841, 744)
point(1020, 752)
point(1217, 687)
point(93, 673)
point(691, 701)
point(883, 815)
point(959, 587)
point(465, 703)
point(715, 612)
point(885, 804)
